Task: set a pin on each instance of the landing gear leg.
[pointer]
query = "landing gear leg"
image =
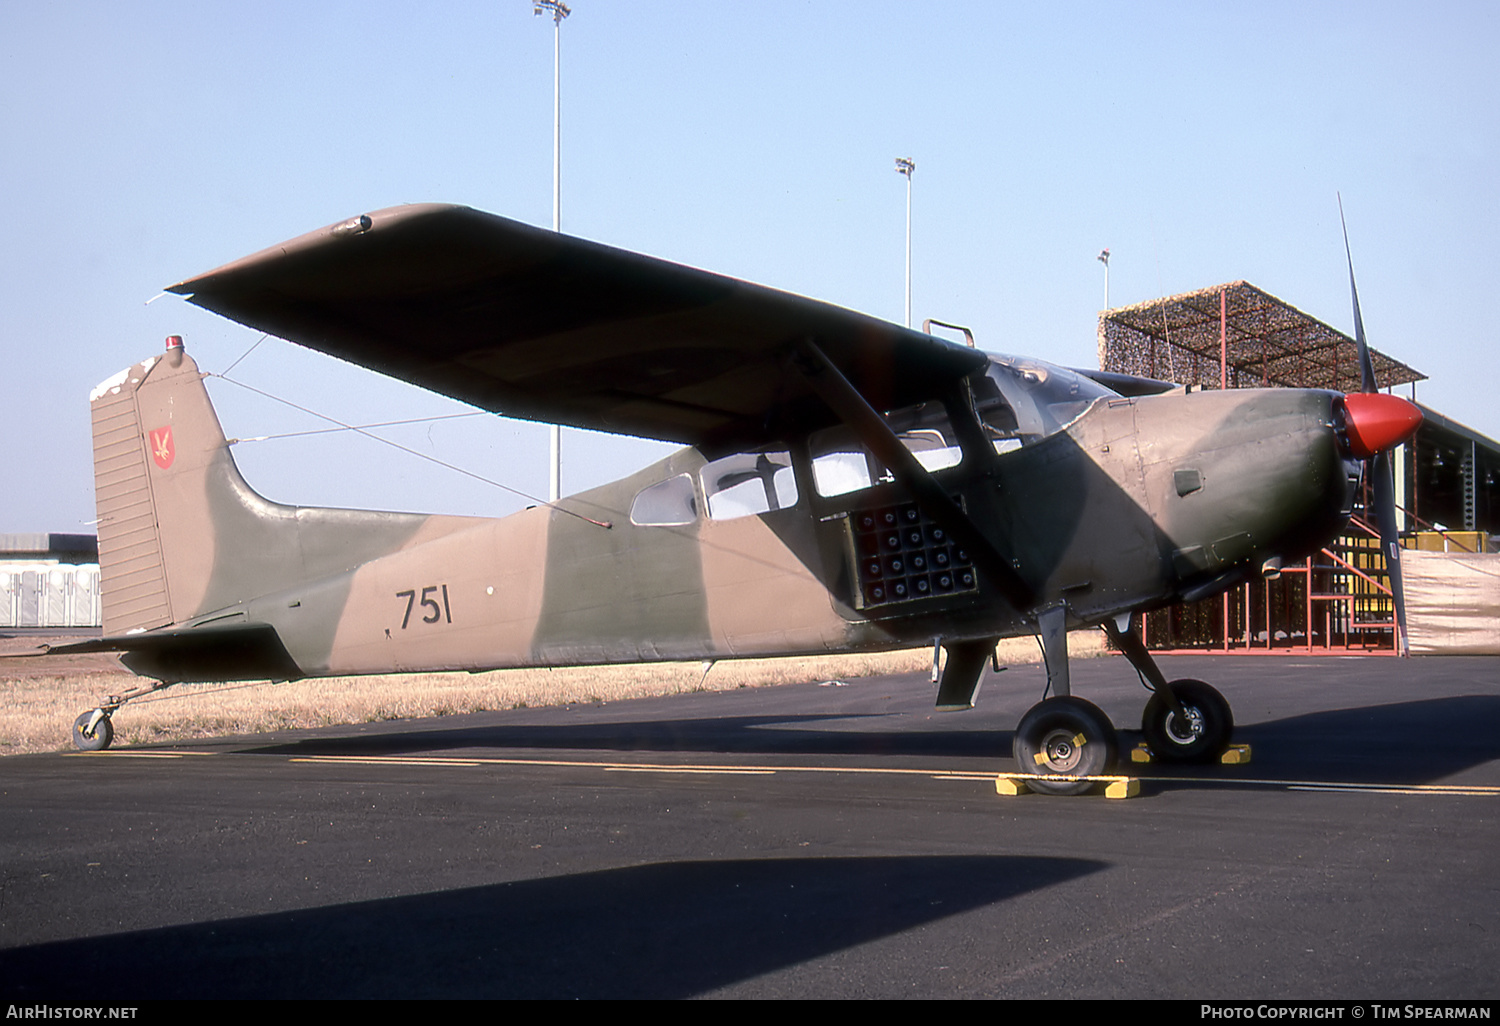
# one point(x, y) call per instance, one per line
point(1185, 720)
point(93, 731)
point(1053, 624)
point(1063, 737)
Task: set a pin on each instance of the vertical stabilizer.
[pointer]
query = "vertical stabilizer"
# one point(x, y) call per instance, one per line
point(155, 439)
point(183, 537)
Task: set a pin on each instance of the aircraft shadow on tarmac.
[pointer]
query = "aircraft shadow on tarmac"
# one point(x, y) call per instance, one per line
point(771, 734)
point(672, 929)
point(1402, 743)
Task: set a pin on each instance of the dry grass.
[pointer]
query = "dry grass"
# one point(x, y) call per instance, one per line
point(36, 712)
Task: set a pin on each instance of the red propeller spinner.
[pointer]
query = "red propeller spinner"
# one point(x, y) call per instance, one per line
point(1376, 421)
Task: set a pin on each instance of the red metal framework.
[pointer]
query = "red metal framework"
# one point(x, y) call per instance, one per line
point(1338, 601)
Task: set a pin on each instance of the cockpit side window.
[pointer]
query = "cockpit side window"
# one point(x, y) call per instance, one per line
point(927, 435)
point(748, 483)
point(996, 416)
point(841, 464)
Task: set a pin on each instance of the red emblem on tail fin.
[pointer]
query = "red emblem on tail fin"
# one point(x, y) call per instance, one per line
point(162, 449)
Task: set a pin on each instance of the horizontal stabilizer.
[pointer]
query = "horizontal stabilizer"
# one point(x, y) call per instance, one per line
point(241, 651)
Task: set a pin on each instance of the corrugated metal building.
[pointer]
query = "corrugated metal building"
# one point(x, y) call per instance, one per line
point(49, 580)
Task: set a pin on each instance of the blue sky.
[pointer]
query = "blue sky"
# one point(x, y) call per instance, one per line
point(143, 143)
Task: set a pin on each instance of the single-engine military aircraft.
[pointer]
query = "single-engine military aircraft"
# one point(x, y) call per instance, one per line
point(848, 484)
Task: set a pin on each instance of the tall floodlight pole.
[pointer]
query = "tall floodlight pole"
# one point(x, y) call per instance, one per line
point(1104, 259)
point(559, 11)
point(905, 166)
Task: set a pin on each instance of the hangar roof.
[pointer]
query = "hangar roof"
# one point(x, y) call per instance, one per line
point(1267, 342)
point(72, 548)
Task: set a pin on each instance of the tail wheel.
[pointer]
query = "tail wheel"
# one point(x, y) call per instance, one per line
point(1065, 737)
point(91, 736)
point(1200, 736)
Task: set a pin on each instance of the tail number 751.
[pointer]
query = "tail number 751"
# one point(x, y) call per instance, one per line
point(435, 611)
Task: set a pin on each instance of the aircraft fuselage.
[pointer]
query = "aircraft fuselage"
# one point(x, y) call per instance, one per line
point(1134, 503)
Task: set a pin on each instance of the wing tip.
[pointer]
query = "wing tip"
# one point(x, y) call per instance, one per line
point(359, 224)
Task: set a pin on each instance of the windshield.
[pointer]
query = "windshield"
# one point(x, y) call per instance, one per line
point(1020, 400)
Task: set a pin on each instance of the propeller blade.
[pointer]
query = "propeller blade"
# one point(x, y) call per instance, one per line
point(1390, 543)
point(1366, 365)
point(1378, 424)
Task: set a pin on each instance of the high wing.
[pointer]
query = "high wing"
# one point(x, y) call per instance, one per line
point(533, 324)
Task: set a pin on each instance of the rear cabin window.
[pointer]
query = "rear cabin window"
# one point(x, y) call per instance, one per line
point(748, 483)
point(667, 503)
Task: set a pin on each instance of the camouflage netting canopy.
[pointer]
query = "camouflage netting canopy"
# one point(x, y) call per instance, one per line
point(1268, 342)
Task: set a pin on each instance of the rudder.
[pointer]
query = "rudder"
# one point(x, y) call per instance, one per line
point(155, 435)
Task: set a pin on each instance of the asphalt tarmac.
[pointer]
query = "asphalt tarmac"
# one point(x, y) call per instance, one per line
point(800, 841)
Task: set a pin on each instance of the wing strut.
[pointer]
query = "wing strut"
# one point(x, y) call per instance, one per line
point(870, 427)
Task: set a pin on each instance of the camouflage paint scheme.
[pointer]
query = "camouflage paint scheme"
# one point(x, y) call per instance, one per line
point(848, 484)
point(1090, 516)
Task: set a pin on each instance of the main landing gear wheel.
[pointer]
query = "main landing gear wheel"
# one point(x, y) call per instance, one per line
point(89, 736)
point(1205, 735)
point(1067, 737)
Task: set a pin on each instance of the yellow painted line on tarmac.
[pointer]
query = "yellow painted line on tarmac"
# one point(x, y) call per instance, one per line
point(1475, 791)
point(725, 769)
point(667, 767)
point(734, 771)
point(636, 767)
point(386, 760)
point(1461, 790)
